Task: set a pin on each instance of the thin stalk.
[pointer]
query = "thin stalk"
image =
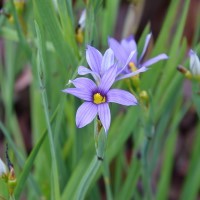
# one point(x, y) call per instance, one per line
point(86, 180)
point(12, 197)
point(146, 174)
point(106, 177)
point(21, 36)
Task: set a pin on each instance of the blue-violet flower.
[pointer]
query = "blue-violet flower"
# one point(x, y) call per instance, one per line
point(97, 97)
point(99, 63)
point(123, 51)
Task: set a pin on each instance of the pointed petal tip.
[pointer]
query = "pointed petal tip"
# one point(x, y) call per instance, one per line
point(129, 38)
point(154, 60)
point(106, 131)
point(149, 35)
point(78, 125)
point(64, 90)
point(191, 52)
point(165, 56)
point(88, 46)
point(111, 40)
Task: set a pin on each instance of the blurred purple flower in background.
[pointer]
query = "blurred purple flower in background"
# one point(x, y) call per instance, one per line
point(97, 97)
point(124, 49)
point(100, 64)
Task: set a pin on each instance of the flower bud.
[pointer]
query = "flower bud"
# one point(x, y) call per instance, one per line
point(19, 5)
point(194, 63)
point(79, 29)
point(82, 19)
point(12, 181)
point(185, 71)
point(144, 96)
point(3, 170)
point(79, 35)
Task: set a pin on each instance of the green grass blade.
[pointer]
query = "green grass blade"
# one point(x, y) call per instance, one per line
point(46, 16)
point(40, 67)
point(87, 178)
point(30, 161)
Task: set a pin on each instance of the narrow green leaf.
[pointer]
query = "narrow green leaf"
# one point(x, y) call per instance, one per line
point(30, 161)
point(40, 66)
point(46, 17)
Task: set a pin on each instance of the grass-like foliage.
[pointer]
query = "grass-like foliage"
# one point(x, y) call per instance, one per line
point(134, 157)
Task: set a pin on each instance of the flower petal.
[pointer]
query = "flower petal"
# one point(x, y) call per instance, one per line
point(147, 40)
point(94, 59)
point(108, 79)
point(118, 50)
point(82, 19)
point(132, 54)
point(142, 69)
point(108, 60)
point(130, 45)
point(194, 63)
point(154, 60)
point(121, 97)
point(83, 71)
point(2, 168)
point(84, 83)
point(85, 114)
point(104, 115)
point(81, 93)
point(192, 52)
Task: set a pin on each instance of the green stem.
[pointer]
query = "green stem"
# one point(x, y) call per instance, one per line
point(12, 197)
point(100, 138)
point(86, 180)
point(106, 176)
point(146, 174)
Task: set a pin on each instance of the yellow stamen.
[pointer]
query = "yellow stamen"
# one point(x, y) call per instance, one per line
point(98, 98)
point(132, 66)
point(136, 78)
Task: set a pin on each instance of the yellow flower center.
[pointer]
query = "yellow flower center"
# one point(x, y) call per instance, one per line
point(98, 98)
point(132, 66)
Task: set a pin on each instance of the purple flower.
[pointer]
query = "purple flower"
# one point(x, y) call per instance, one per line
point(124, 49)
point(99, 63)
point(98, 97)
